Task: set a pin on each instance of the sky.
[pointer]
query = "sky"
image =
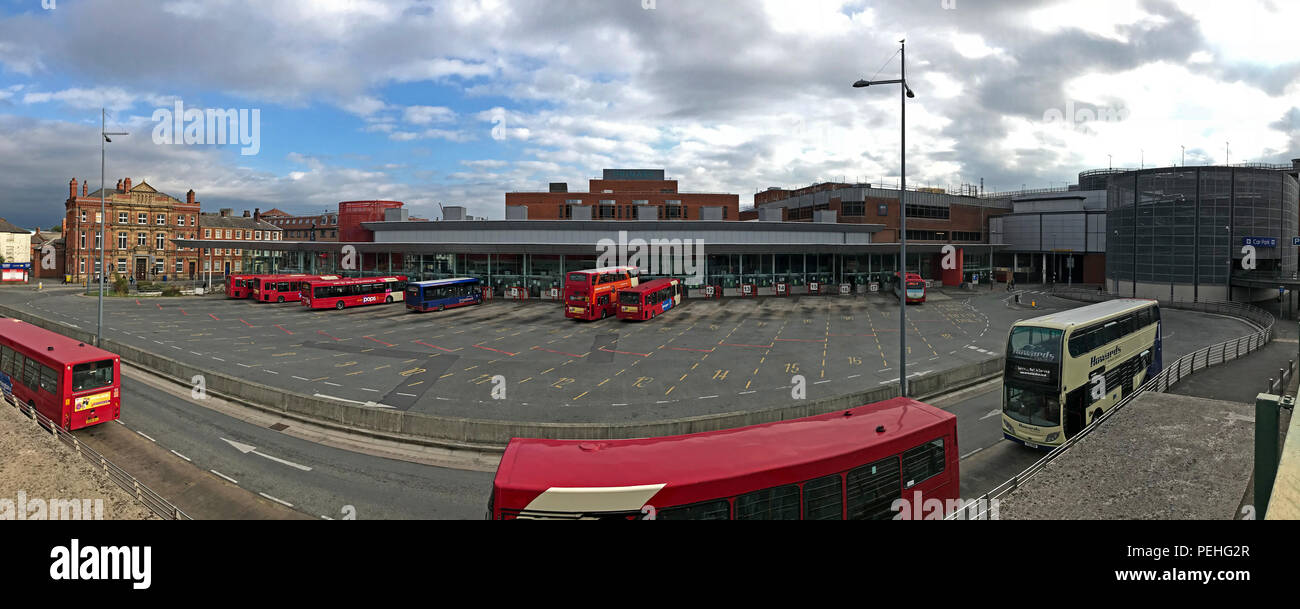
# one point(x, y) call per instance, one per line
point(457, 102)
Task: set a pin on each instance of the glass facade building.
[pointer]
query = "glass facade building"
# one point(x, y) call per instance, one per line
point(1180, 231)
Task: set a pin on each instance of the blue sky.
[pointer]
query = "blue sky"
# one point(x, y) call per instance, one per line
point(371, 99)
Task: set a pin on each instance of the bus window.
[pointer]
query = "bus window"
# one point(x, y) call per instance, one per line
point(780, 503)
point(49, 380)
point(92, 375)
point(872, 489)
point(7, 361)
point(822, 500)
point(1039, 344)
point(31, 374)
point(718, 509)
point(923, 462)
point(1032, 406)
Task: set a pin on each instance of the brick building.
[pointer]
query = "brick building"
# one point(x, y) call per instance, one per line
point(139, 230)
point(56, 243)
point(319, 227)
point(225, 226)
point(622, 194)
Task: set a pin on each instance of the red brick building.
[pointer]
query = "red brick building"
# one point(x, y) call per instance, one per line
point(319, 227)
point(225, 226)
point(623, 194)
point(139, 230)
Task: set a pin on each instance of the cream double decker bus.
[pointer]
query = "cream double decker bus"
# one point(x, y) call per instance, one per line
point(1066, 369)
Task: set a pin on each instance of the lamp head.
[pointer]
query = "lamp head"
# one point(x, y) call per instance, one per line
point(860, 84)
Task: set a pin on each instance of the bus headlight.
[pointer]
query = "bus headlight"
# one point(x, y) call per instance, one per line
point(1051, 437)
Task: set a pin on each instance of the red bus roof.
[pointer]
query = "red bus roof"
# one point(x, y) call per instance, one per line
point(66, 350)
point(652, 285)
point(729, 461)
point(606, 269)
point(356, 280)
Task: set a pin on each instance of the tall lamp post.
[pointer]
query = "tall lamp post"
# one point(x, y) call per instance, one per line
point(103, 219)
point(905, 92)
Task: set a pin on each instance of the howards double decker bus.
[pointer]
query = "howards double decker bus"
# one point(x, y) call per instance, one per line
point(650, 298)
point(1066, 369)
point(74, 384)
point(239, 286)
point(342, 293)
point(282, 288)
point(440, 294)
point(591, 294)
point(913, 284)
point(851, 464)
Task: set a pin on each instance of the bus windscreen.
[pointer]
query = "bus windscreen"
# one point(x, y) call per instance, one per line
point(1037, 344)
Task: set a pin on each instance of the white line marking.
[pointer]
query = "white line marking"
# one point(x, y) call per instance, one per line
point(706, 397)
point(245, 365)
point(409, 395)
point(334, 384)
point(369, 389)
point(269, 371)
point(301, 378)
point(746, 392)
point(181, 456)
point(992, 413)
point(147, 437)
point(820, 382)
point(276, 500)
point(853, 376)
point(218, 359)
point(228, 478)
point(246, 448)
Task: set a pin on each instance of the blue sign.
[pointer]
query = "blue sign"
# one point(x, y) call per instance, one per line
point(1295, 240)
point(15, 265)
point(1260, 241)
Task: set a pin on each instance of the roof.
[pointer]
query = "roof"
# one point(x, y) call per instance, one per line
point(1091, 312)
point(275, 212)
point(65, 350)
point(356, 280)
point(7, 227)
point(714, 456)
point(606, 269)
point(441, 281)
point(143, 187)
point(220, 221)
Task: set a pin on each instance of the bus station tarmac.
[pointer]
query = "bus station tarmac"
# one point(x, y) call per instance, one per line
point(706, 357)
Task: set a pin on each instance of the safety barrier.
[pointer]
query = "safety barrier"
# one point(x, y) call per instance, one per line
point(1185, 366)
point(156, 504)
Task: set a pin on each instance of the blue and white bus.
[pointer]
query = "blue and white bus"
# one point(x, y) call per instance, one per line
point(442, 294)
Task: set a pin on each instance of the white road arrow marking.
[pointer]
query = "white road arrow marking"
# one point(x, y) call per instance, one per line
point(992, 413)
point(246, 448)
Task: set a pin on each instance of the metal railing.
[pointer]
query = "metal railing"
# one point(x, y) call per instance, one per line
point(161, 507)
point(1185, 366)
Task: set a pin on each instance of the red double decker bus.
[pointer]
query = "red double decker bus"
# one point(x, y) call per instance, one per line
point(240, 286)
point(282, 288)
point(342, 293)
point(649, 299)
point(74, 384)
point(914, 286)
point(591, 294)
point(854, 464)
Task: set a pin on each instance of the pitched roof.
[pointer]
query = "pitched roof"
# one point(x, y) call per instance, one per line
point(274, 212)
point(143, 187)
point(220, 221)
point(7, 227)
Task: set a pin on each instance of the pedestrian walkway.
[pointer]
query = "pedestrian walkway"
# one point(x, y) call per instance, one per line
point(1240, 380)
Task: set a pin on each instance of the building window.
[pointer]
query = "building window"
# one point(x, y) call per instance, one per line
point(257, 235)
point(238, 265)
point(141, 239)
point(275, 236)
point(99, 218)
point(98, 238)
point(160, 240)
point(180, 267)
point(927, 211)
point(121, 241)
point(882, 209)
point(142, 218)
point(121, 217)
point(83, 215)
point(180, 220)
point(83, 242)
point(207, 233)
point(121, 265)
point(239, 234)
point(853, 208)
point(81, 268)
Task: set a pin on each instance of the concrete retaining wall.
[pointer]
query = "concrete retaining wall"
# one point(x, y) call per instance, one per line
point(436, 430)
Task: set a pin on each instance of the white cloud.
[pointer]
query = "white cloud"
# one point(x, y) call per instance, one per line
point(423, 115)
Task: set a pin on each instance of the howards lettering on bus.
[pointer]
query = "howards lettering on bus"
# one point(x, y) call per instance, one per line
point(1098, 359)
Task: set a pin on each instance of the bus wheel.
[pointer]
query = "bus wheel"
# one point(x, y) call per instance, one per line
point(388, 299)
point(280, 299)
point(339, 305)
point(1096, 414)
point(441, 308)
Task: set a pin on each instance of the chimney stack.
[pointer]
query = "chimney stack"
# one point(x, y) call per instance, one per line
point(189, 196)
point(72, 189)
point(126, 185)
point(247, 214)
point(257, 213)
point(225, 212)
point(84, 186)
point(119, 185)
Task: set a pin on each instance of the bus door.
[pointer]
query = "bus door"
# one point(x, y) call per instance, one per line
point(1076, 405)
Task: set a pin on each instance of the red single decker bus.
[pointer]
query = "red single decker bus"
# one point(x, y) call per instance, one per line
point(282, 288)
point(342, 293)
point(913, 284)
point(591, 294)
point(869, 462)
point(649, 299)
point(240, 286)
point(74, 384)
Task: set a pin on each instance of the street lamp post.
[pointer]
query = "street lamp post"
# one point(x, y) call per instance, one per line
point(103, 219)
point(905, 92)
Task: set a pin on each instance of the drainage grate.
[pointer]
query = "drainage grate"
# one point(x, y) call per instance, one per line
point(279, 427)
